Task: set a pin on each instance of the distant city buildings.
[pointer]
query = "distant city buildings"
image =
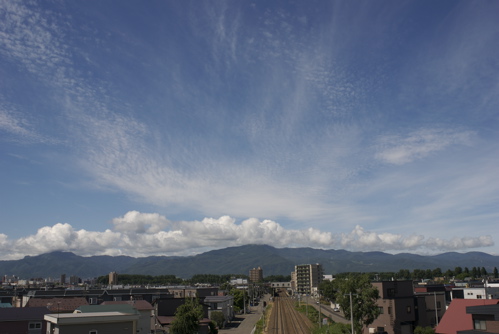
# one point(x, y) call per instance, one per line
point(74, 280)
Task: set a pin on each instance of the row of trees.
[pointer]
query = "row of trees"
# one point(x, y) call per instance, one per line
point(127, 279)
point(130, 279)
point(458, 273)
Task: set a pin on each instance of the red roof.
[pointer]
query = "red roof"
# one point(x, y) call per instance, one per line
point(62, 305)
point(456, 319)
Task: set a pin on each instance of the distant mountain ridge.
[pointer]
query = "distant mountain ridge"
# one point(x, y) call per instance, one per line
point(239, 260)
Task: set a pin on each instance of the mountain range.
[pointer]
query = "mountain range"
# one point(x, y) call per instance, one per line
point(239, 260)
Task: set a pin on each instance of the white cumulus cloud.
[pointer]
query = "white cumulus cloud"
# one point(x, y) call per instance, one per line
point(143, 234)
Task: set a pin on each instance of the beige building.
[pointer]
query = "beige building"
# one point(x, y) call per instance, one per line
point(307, 278)
point(256, 275)
point(113, 278)
point(397, 308)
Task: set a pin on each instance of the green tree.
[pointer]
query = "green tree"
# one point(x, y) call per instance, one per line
point(239, 298)
point(423, 330)
point(437, 272)
point(218, 318)
point(458, 270)
point(483, 272)
point(403, 274)
point(187, 318)
point(448, 274)
point(327, 290)
point(364, 296)
point(212, 328)
point(418, 274)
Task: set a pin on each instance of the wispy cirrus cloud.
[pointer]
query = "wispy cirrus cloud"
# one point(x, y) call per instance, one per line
point(260, 111)
point(402, 149)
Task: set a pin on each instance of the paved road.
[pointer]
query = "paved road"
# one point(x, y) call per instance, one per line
point(327, 310)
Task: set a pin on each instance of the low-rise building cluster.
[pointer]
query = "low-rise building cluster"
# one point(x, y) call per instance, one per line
point(469, 307)
point(109, 310)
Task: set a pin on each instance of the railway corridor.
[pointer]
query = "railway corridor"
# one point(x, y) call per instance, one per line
point(284, 319)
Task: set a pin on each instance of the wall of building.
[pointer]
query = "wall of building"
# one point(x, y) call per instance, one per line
point(125, 327)
point(492, 326)
point(21, 327)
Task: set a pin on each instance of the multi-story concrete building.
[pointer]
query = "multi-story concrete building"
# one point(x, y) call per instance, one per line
point(113, 278)
point(256, 275)
point(401, 309)
point(397, 308)
point(307, 278)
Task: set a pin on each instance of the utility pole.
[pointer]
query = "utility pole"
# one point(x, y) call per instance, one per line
point(320, 323)
point(351, 312)
point(436, 311)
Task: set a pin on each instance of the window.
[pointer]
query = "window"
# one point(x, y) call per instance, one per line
point(391, 292)
point(389, 310)
point(408, 309)
point(93, 331)
point(381, 310)
point(478, 296)
point(480, 324)
point(439, 305)
point(35, 325)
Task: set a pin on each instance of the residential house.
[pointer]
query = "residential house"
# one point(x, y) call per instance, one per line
point(397, 308)
point(485, 319)
point(457, 319)
point(97, 296)
point(58, 305)
point(146, 312)
point(224, 304)
point(192, 291)
point(15, 320)
point(483, 292)
point(430, 308)
point(92, 323)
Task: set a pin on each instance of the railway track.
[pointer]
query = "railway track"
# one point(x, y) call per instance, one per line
point(285, 319)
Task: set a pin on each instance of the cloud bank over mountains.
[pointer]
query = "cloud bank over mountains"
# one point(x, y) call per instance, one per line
point(143, 234)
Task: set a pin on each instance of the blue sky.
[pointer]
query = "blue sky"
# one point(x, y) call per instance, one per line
point(175, 127)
